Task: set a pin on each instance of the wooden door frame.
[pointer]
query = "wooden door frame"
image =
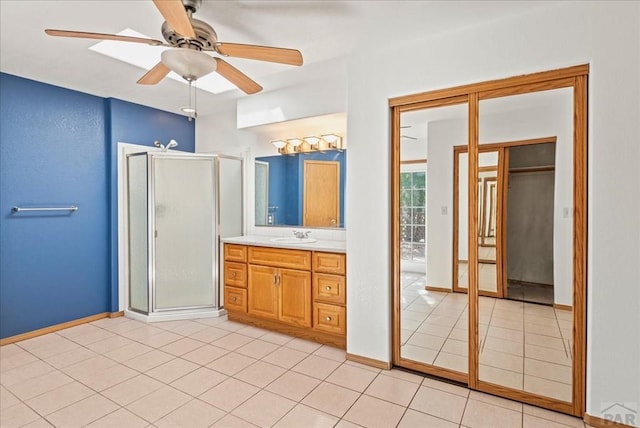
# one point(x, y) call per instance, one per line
point(304, 189)
point(457, 150)
point(503, 190)
point(571, 77)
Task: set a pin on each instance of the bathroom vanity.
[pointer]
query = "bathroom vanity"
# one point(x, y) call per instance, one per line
point(293, 286)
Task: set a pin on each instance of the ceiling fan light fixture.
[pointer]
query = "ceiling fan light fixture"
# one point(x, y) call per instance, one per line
point(188, 63)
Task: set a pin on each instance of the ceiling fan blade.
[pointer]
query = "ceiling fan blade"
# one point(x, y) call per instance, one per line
point(155, 75)
point(237, 77)
point(101, 36)
point(261, 53)
point(176, 16)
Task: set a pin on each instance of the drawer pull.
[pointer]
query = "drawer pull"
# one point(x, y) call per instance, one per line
point(328, 319)
point(328, 288)
point(233, 299)
point(233, 274)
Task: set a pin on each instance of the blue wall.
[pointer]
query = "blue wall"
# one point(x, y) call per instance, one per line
point(286, 177)
point(57, 147)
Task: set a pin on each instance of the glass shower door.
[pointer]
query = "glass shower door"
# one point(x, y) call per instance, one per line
point(184, 225)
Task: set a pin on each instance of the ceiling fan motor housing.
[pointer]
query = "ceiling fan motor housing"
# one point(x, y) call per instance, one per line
point(206, 36)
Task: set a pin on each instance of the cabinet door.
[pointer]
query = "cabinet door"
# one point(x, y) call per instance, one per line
point(295, 297)
point(263, 291)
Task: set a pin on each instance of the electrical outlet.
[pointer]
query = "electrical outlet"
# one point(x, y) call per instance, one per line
point(443, 210)
point(566, 212)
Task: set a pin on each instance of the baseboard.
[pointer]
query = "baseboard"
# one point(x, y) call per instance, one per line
point(597, 422)
point(369, 361)
point(439, 289)
point(562, 307)
point(58, 327)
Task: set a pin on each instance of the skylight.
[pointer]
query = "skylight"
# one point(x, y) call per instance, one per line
point(145, 57)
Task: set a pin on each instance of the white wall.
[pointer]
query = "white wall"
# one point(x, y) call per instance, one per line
point(296, 102)
point(604, 34)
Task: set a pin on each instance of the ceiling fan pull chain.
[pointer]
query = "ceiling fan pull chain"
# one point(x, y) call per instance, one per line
point(190, 108)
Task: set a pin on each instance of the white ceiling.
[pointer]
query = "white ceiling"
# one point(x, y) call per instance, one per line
point(326, 32)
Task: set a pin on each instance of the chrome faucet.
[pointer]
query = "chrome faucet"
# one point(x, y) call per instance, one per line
point(300, 234)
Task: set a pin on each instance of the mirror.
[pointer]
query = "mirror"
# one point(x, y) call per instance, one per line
point(433, 320)
point(488, 221)
point(525, 243)
point(504, 278)
point(301, 190)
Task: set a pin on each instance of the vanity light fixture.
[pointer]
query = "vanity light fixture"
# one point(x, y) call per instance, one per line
point(279, 143)
point(309, 144)
point(312, 140)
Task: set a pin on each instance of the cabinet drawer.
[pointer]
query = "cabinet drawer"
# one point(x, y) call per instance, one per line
point(235, 274)
point(329, 318)
point(278, 257)
point(329, 288)
point(235, 253)
point(329, 263)
point(235, 299)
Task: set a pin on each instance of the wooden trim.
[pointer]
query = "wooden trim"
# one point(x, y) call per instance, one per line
point(456, 197)
point(562, 307)
point(500, 223)
point(439, 102)
point(474, 104)
point(379, 364)
point(503, 220)
point(579, 243)
point(598, 422)
point(489, 147)
point(395, 237)
point(438, 289)
point(525, 397)
point(525, 89)
point(487, 168)
point(532, 169)
point(416, 161)
point(52, 329)
point(434, 370)
point(116, 314)
point(491, 85)
point(338, 341)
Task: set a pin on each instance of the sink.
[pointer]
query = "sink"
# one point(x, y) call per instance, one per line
point(288, 240)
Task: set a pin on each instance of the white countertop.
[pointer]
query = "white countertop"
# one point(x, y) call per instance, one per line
point(266, 241)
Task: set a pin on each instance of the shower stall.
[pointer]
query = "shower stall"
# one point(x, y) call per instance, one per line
point(178, 208)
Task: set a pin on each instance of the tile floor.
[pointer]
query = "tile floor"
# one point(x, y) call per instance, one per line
point(213, 372)
point(522, 345)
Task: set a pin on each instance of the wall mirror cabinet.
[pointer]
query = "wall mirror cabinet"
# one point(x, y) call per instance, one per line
point(489, 236)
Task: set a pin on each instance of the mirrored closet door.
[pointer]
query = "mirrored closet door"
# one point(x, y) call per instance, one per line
point(433, 321)
point(489, 236)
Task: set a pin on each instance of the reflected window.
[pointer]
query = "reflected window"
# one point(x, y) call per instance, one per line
point(412, 215)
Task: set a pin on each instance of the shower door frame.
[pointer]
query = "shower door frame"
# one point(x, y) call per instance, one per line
point(151, 196)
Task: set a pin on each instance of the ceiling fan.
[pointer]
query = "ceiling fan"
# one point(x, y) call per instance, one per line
point(190, 38)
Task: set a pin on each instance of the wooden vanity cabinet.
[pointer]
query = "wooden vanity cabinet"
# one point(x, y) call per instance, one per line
point(329, 292)
point(297, 292)
point(235, 277)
